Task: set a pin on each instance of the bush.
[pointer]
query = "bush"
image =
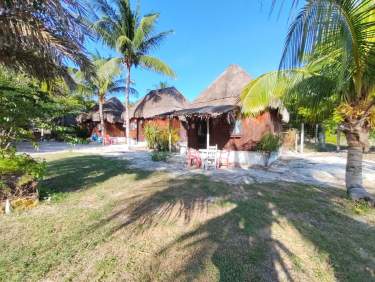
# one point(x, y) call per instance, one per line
point(269, 143)
point(11, 163)
point(19, 175)
point(74, 140)
point(159, 156)
point(158, 138)
point(151, 133)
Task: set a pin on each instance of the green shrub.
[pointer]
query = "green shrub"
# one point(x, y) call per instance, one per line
point(151, 132)
point(157, 156)
point(74, 140)
point(11, 163)
point(19, 175)
point(269, 143)
point(158, 137)
point(71, 135)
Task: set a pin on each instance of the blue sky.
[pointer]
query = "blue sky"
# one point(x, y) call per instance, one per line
point(209, 36)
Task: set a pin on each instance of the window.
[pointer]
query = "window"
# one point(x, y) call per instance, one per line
point(237, 129)
point(133, 125)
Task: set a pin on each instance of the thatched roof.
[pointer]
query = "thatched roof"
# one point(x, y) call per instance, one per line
point(223, 96)
point(225, 90)
point(112, 112)
point(207, 111)
point(157, 102)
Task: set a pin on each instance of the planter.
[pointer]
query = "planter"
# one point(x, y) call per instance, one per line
point(21, 191)
point(246, 159)
point(19, 204)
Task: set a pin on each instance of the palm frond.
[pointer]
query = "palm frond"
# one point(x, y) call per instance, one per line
point(123, 43)
point(156, 65)
point(146, 25)
point(154, 41)
point(38, 36)
point(336, 28)
point(105, 28)
point(268, 90)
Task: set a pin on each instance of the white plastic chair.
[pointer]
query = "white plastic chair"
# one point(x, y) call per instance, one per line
point(211, 157)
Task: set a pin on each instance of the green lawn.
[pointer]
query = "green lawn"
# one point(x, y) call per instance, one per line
point(107, 222)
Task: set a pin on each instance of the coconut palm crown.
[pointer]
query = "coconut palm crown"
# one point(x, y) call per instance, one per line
point(39, 36)
point(328, 58)
point(133, 36)
point(103, 82)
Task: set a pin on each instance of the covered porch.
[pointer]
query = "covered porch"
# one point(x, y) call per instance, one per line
point(222, 129)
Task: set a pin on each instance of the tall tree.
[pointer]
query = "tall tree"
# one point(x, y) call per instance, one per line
point(133, 37)
point(21, 103)
point(103, 82)
point(38, 36)
point(330, 48)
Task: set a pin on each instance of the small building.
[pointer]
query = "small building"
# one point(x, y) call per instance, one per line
point(149, 109)
point(214, 117)
point(112, 114)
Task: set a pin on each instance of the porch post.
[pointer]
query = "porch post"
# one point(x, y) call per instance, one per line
point(302, 136)
point(316, 133)
point(208, 132)
point(170, 136)
point(338, 139)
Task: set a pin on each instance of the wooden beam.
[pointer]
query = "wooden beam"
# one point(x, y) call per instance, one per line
point(170, 136)
point(208, 132)
point(302, 136)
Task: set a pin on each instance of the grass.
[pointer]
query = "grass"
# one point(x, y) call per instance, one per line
point(107, 222)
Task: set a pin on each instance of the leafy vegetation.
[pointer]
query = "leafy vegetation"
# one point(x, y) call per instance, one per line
point(11, 163)
point(39, 36)
point(158, 156)
point(21, 103)
point(328, 65)
point(25, 106)
point(19, 175)
point(269, 143)
point(158, 137)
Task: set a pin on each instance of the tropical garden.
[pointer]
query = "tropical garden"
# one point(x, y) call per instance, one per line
point(99, 218)
point(328, 68)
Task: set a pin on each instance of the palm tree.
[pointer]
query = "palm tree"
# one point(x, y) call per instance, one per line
point(329, 57)
point(133, 37)
point(101, 83)
point(38, 36)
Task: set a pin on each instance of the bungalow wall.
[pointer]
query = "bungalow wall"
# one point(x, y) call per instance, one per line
point(112, 129)
point(221, 132)
point(137, 127)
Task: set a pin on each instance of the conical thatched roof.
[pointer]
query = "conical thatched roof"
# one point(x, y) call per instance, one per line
point(225, 90)
point(157, 102)
point(112, 112)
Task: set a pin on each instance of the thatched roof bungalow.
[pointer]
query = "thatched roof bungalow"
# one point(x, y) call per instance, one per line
point(113, 121)
point(149, 109)
point(214, 117)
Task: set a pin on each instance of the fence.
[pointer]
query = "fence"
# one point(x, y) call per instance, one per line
point(315, 138)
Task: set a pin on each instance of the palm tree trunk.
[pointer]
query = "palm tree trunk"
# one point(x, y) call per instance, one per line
point(102, 124)
point(127, 119)
point(356, 144)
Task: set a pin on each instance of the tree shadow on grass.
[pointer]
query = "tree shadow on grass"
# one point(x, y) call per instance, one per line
point(241, 242)
point(82, 172)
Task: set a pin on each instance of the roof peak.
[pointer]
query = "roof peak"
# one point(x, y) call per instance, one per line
point(159, 101)
point(225, 89)
point(161, 89)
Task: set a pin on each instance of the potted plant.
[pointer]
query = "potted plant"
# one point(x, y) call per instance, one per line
point(269, 145)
